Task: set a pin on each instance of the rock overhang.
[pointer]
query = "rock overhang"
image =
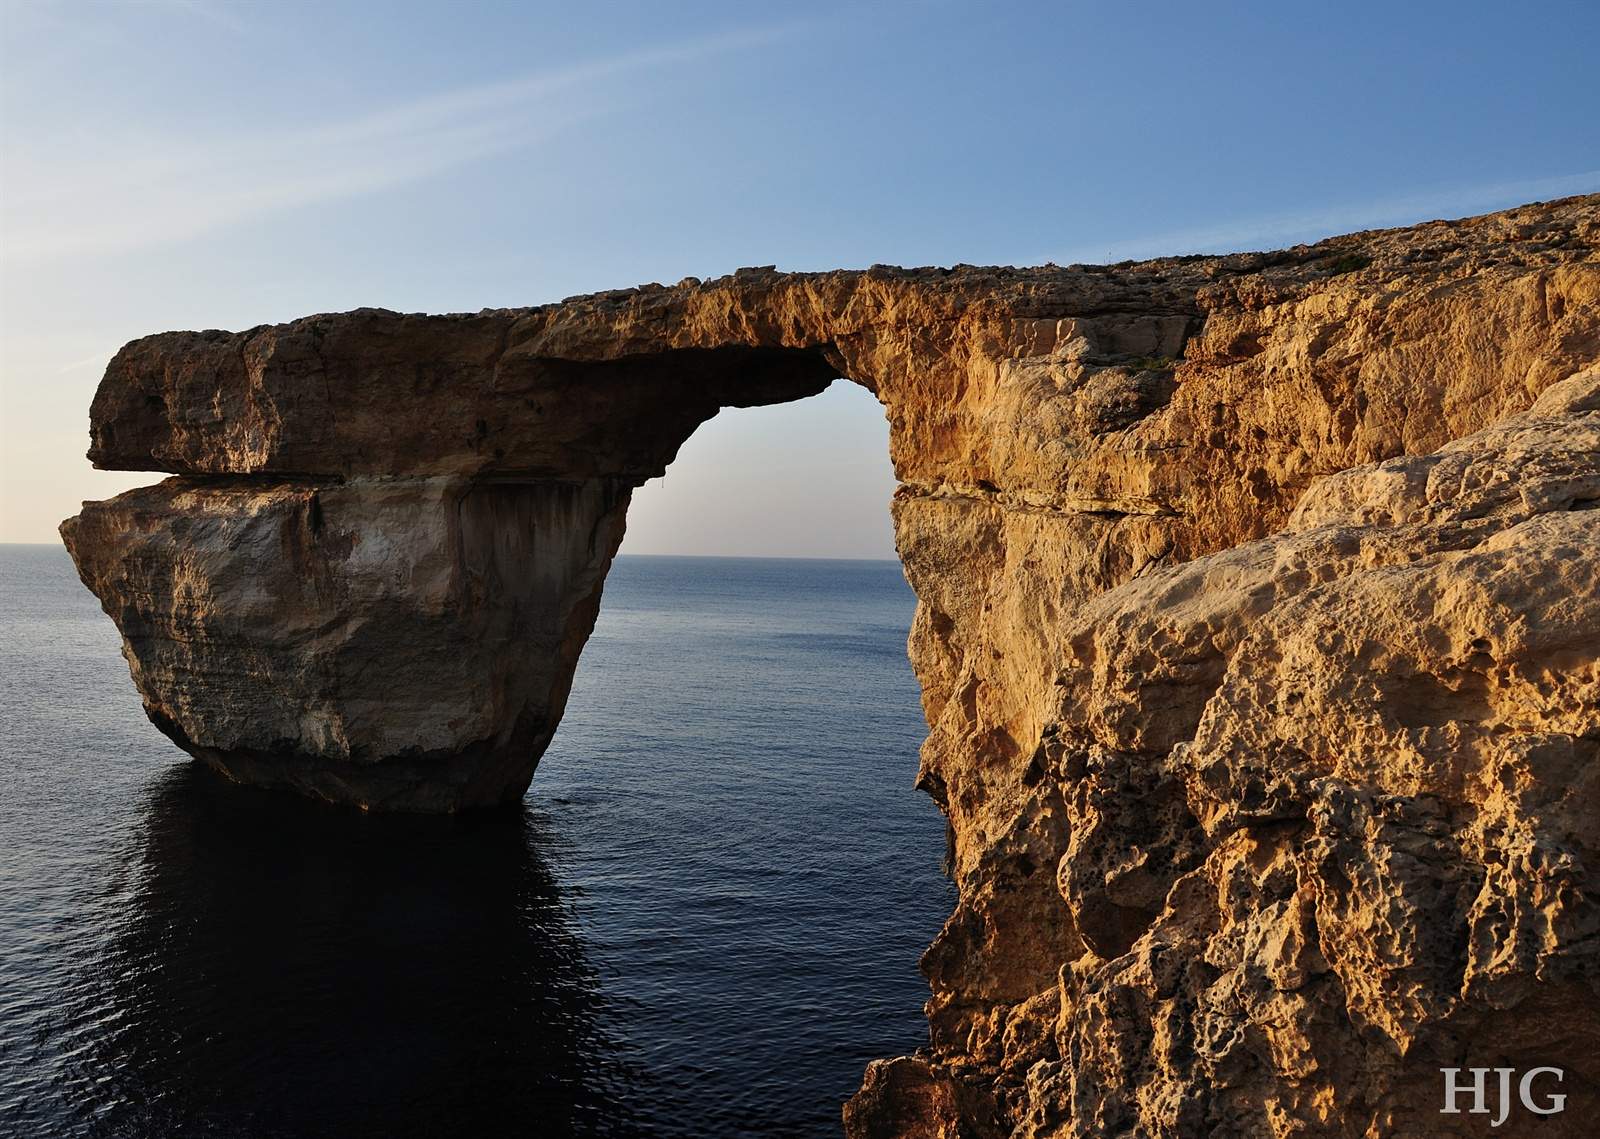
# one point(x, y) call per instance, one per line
point(1069, 441)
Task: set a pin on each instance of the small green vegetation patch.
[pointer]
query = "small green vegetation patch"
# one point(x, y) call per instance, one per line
point(1153, 364)
point(1347, 262)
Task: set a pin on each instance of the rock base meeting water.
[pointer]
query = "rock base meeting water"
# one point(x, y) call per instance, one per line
point(1257, 631)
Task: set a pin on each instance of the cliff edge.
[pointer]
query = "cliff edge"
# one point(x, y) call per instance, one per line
point(1258, 633)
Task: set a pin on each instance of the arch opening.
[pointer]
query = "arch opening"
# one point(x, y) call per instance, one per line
point(806, 479)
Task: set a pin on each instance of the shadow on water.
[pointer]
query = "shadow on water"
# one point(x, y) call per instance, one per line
point(286, 967)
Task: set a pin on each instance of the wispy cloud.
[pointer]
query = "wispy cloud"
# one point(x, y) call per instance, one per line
point(75, 195)
point(223, 15)
point(98, 359)
point(1279, 230)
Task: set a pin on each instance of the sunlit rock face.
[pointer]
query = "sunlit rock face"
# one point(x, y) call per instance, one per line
point(1257, 631)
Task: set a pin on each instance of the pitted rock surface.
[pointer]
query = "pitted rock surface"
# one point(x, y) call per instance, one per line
point(1257, 631)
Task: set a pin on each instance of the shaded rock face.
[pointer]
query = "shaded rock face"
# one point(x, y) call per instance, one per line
point(395, 642)
point(1257, 631)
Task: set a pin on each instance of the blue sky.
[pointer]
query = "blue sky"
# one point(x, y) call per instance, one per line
point(191, 165)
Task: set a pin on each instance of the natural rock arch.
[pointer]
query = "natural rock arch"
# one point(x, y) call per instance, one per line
point(387, 609)
point(384, 546)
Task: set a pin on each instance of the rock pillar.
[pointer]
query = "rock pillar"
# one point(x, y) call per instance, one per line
point(1256, 629)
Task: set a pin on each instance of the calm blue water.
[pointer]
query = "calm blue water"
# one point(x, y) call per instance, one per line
point(704, 920)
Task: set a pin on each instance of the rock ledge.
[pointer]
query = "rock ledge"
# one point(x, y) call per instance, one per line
point(1258, 631)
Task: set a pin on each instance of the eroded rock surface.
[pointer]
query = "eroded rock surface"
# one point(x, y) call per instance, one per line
point(399, 643)
point(1256, 630)
point(1372, 742)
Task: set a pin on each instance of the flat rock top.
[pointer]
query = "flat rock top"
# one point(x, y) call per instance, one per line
point(609, 384)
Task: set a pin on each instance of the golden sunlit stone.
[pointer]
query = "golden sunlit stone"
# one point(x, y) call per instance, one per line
point(1258, 630)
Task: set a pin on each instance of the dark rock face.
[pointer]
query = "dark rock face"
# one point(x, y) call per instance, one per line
point(402, 643)
point(386, 545)
point(1256, 630)
point(377, 393)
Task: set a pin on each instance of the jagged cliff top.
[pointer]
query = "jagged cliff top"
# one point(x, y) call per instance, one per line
point(1255, 629)
point(586, 387)
point(1540, 233)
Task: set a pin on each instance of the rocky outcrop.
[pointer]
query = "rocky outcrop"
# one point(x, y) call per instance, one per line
point(397, 643)
point(385, 551)
point(1364, 761)
point(1256, 630)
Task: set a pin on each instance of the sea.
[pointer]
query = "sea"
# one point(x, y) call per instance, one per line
point(704, 919)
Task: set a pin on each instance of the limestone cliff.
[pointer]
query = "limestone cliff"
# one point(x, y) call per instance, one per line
point(1257, 630)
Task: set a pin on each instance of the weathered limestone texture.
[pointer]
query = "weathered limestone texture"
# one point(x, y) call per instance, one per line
point(397, 642)
point(1259, 632)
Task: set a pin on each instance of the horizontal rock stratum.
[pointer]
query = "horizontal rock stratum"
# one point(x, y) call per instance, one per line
point(1258, 633)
